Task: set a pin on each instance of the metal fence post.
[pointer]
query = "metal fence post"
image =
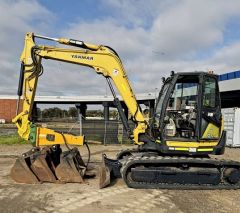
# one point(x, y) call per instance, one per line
point(105, 132)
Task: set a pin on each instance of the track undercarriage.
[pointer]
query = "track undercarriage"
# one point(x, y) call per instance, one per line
point(151, 170)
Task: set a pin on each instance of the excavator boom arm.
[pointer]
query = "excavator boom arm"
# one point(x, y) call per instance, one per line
point(102, 59)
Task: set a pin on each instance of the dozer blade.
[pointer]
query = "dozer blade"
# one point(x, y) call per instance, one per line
point(108, 171)
point(22, 173)
point(104, 175)
point(43, 166)
point(71, 168)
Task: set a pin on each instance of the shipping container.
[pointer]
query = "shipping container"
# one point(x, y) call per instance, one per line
point(232, 126)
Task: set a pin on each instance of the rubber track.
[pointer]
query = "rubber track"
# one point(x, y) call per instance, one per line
point(162, 159)
point(126, 151)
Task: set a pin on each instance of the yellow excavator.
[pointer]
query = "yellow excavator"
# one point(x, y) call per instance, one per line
point(172, 149)
point(46, 162)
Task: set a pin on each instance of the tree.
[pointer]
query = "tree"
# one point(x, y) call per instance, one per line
point(39, 113)
point(72, 112)
point(65, 113)
point(113, 114)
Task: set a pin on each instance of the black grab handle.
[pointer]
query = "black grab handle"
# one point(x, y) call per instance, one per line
point(21, 79)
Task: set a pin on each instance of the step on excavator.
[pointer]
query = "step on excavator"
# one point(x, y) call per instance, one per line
point(173, 148)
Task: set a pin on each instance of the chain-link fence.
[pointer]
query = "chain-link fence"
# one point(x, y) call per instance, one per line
point(105, 132)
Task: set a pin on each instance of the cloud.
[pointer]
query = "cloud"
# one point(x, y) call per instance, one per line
point(68, 79)
point(192, 26)
point(228, 55)
point(133, 13)
point(152, 39)
point(17, 18)
point(173, 40)
point(110, 33)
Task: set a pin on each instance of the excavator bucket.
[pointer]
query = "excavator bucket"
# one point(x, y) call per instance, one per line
point(36, 166)
point(71, 167)
point(49, 164)
point(22, 173)
point(108, 171)
point(43, 165)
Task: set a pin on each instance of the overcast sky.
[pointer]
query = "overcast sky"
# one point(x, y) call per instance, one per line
point(152, 37)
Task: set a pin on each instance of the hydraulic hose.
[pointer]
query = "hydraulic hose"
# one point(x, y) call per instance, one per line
point(89, 153)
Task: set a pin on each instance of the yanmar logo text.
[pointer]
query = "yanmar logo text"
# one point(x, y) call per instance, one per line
point(90, 58)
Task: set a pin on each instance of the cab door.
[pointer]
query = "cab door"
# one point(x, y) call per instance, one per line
point(211, 116)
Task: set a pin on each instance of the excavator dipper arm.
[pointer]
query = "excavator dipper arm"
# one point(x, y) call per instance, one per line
point(50, 164)
point(102, 59)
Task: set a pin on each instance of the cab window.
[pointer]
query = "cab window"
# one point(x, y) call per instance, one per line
point(209, 92)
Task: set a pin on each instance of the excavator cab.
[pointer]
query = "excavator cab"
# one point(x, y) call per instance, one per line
point(188, 111)
point(186, 128)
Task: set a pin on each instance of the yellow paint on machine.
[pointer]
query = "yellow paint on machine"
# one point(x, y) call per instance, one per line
point(101, 58)
point(48, 137)
point(191, 144)
point(211, 131)
point(188, 149)
point(205, 150)
point(181, 149)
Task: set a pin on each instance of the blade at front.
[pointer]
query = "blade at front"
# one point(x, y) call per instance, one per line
point(109, 171)
point(104, 176)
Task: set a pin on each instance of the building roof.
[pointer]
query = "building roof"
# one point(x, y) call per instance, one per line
point(88, 99)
